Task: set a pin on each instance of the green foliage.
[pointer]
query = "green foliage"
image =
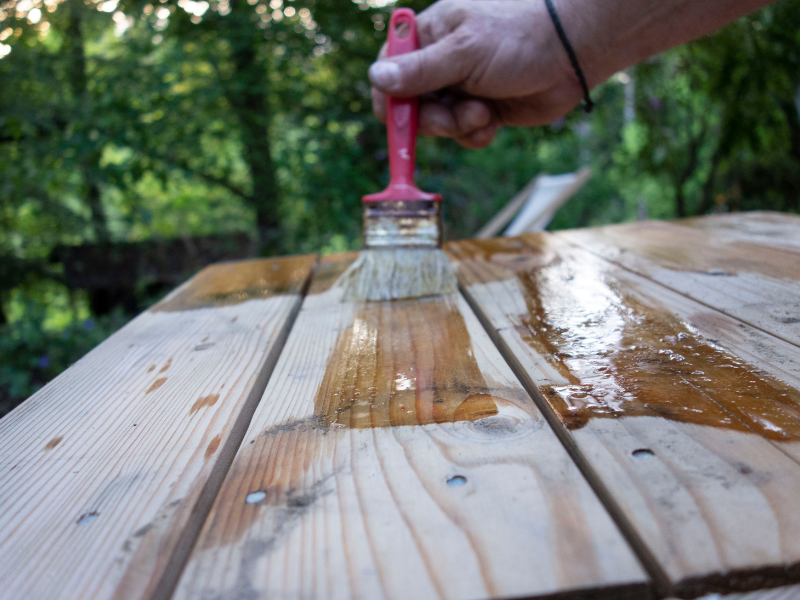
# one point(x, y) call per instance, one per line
point(128, 119)
point(31, 353)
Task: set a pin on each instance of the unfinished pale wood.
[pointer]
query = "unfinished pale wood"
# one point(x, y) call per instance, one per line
point(107, 473)
point(752, 282)
point(780, 230)
point(394, 455)
point(709, 498)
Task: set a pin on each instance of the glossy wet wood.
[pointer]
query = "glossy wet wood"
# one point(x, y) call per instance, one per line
point(394, 455)
point(601, 413)
point(686, 436)
point(107, 472)
point(754, 282)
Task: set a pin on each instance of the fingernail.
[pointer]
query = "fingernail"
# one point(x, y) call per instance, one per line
point(385, 75)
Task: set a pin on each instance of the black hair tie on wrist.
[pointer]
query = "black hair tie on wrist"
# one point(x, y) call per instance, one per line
point(588, 104)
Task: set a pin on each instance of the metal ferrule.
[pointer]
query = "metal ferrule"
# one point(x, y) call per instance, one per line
point(403, 224)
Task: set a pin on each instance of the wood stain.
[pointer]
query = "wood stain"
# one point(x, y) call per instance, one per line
point(406, 362)
point(234, 283)
point(621, 356)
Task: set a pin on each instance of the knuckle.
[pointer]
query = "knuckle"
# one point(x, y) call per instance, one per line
point(463, 40)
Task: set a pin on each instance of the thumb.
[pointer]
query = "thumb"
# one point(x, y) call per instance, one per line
point(442, 64)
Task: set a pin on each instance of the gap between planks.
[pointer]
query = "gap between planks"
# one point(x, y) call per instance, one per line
point(647, 558)
point(183, 550)
point(238, 553)
point(32, 524)
point(648, 561)
point(772, 334)
point(569, 237)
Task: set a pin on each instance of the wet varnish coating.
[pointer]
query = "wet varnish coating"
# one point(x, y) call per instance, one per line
point(622, 357)
point(407, 362)
point(328, 271)
point(233, 283)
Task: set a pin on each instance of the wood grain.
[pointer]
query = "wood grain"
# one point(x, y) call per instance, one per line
point(789, 592)
point(693, 448)
point(394, 455)
point(755, 283)
point(779, 230)
point(107, 473)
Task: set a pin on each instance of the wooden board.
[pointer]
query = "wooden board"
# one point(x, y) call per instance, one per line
point(693, 449)
point(780, 230)
point(789, 592)
point(755, 283)
point(107, 473)
point(394, 455)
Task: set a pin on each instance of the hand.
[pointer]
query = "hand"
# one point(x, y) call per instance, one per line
point(481, 64)
point(487, 63)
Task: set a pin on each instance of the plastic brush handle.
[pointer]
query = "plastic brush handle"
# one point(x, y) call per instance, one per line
point(401, 121)
point(401, 113)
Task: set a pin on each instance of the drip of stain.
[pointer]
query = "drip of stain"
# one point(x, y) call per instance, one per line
point(622, 357)
point(407, 362)
point(233, 283)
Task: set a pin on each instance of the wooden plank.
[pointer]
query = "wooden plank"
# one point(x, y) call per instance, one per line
point(758, 284)
point(394, 455)
point(789, 592)
point(693, 449)
point(107, 473)
point(780, 230)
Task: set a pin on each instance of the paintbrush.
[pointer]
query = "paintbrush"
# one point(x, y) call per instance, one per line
point(402, 256)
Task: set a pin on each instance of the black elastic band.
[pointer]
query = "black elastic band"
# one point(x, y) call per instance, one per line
point(588, 104)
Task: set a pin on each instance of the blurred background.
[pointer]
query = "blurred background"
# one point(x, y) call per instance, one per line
point(141, 140)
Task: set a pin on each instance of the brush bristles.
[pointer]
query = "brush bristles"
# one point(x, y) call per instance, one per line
point(394, 274)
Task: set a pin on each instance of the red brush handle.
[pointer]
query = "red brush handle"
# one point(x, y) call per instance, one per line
point(402, 120)
point(401, 113)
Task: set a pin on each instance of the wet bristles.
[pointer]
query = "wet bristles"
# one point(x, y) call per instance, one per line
point(397, 273)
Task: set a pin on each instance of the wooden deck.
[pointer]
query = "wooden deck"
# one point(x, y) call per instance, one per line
point(600, 413)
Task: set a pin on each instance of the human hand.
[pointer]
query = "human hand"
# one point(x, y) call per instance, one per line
point(487, 63)
point(481, 64)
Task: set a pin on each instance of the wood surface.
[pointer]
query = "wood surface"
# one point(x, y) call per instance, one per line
point(693, 449)
point(107, 473)
point(755, 283)
point(789, 592)
point(636, 394)
point(395, 455)
point(780, 230)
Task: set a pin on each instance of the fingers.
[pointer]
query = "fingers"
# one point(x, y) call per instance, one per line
point(470, 122)
point(379, 105)
point(431, 68)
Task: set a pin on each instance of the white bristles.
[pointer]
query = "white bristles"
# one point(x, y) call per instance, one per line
point(394, 274)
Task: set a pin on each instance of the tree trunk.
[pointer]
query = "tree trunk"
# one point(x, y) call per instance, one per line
point(247, 90)
point(792, 197)
point(79, 83)
point(707, 201)
point(680, 197)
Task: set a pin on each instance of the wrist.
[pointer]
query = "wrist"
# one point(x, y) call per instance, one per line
point(611, 35)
